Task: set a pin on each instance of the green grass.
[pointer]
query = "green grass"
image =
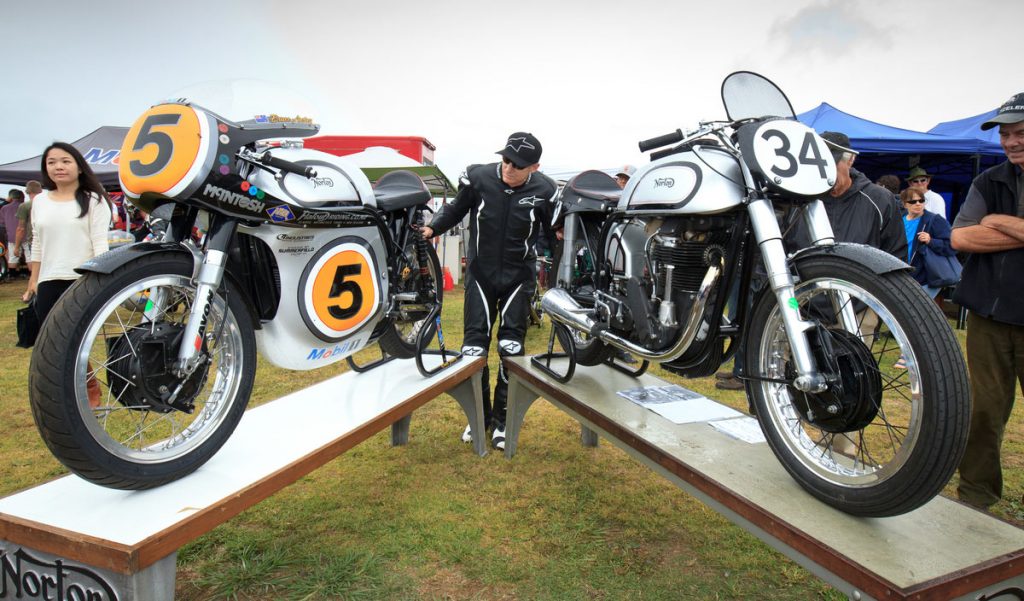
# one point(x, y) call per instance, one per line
point(431, 520)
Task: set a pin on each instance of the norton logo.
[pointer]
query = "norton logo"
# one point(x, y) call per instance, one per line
point(25, 577)
point(293, 237)
point(241, 201)
point(530, 200)
point(667, 182)
point(102, 156)
point(323, 181)
point(280, 214)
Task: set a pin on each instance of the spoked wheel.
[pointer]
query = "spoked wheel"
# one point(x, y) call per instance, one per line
point(104, 392)
point(589, 350)
point(399, 339)
point(880, 440)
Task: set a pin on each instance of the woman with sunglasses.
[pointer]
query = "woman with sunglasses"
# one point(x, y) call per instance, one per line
point(923, 229)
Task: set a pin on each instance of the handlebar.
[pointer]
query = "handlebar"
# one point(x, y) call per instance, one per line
point(287, 166)
point(665, 140)
point(664, 153)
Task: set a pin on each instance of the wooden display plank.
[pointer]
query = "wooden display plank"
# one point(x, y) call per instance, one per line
point(943, 550)
point(274, 445)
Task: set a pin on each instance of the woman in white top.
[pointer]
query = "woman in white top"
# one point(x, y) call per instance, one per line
point(70, 220)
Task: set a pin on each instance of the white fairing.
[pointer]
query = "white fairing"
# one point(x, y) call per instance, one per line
point(337, 180)
point(707, 180)
point(288, 340)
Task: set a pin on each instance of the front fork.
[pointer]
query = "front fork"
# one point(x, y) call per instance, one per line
point(769, 239)
point(208, 275)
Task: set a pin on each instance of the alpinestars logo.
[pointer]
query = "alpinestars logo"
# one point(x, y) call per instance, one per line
point(517, 144)
point(530, 200)
point(474, 351)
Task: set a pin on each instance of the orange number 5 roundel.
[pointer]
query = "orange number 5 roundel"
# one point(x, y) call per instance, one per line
point(342, 292)
point(162, 149)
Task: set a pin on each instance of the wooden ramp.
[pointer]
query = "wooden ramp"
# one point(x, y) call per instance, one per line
point(76, 538)
point(944, 550)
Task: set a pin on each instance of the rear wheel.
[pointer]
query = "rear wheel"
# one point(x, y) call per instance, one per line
point(589, 350)
point(399, 338)
point(102, 384)
point(881, 440)
point(3, 262)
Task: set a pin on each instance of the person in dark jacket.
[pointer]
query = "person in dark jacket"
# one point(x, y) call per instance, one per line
point(924, 228)
point(990, 227)
point(508, 202)
point(858, 210)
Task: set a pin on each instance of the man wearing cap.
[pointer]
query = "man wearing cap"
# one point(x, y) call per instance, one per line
point(508, 204)
point(919, 179)
point(859, 211)
point(622, 177)
point(990, 226)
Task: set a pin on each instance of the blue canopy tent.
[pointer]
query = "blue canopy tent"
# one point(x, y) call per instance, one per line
point(952, 160)
point(970, 127)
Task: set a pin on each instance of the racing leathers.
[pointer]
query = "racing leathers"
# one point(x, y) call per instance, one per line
point(504, 223)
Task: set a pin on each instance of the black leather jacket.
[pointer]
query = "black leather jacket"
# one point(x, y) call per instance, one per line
point(504, 222)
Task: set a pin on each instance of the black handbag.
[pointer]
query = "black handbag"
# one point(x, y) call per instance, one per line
point(28, 325)
point(941, 271)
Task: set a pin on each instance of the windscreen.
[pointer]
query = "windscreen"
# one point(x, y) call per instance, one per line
point(748, 95)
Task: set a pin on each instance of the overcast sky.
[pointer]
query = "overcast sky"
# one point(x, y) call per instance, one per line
point(588, 77)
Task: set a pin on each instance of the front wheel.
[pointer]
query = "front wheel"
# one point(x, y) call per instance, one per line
point(883, 439)
point(102, 384)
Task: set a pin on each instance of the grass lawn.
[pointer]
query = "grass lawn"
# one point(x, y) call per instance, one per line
point(431, 520)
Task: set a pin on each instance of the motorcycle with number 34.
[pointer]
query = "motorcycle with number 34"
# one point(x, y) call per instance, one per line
point(816, 344)
point(147, 362)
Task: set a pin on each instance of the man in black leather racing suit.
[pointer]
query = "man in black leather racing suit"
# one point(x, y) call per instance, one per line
point(509, 205)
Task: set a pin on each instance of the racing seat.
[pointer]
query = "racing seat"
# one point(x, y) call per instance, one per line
point(591, 191)
point(400, 190)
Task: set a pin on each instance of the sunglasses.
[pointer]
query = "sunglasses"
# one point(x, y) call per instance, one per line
point(919, 180)
point(513, 165)
point(918, 201)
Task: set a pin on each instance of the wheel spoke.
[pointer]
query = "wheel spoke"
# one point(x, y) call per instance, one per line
point(857, 454)
point(126, 422)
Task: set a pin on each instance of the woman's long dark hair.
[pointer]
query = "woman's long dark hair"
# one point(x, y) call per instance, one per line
point(88, 183)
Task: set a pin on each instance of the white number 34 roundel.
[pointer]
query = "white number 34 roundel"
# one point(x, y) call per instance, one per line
point(794, 158)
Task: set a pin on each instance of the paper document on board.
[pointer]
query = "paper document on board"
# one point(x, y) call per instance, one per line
point(745, 428)
point(677, 404)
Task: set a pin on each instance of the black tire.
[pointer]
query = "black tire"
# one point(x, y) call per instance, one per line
point(399, 337)
point(3, 261)
point(589, 350)
point(895, 448)
point(129, 442)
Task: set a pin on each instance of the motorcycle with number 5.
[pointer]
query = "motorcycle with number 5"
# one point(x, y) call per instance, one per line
point(817, 343)
point(147, 362)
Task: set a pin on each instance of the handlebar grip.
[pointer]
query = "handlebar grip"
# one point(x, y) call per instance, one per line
point(288, 166)
point(664, 153)
point(665, 140)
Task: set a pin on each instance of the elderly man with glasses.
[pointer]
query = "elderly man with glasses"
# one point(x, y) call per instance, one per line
point(509, 205)
point(919, 179)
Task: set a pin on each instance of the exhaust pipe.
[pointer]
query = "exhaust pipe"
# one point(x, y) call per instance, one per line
point(563, 308)
point(560, 305)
